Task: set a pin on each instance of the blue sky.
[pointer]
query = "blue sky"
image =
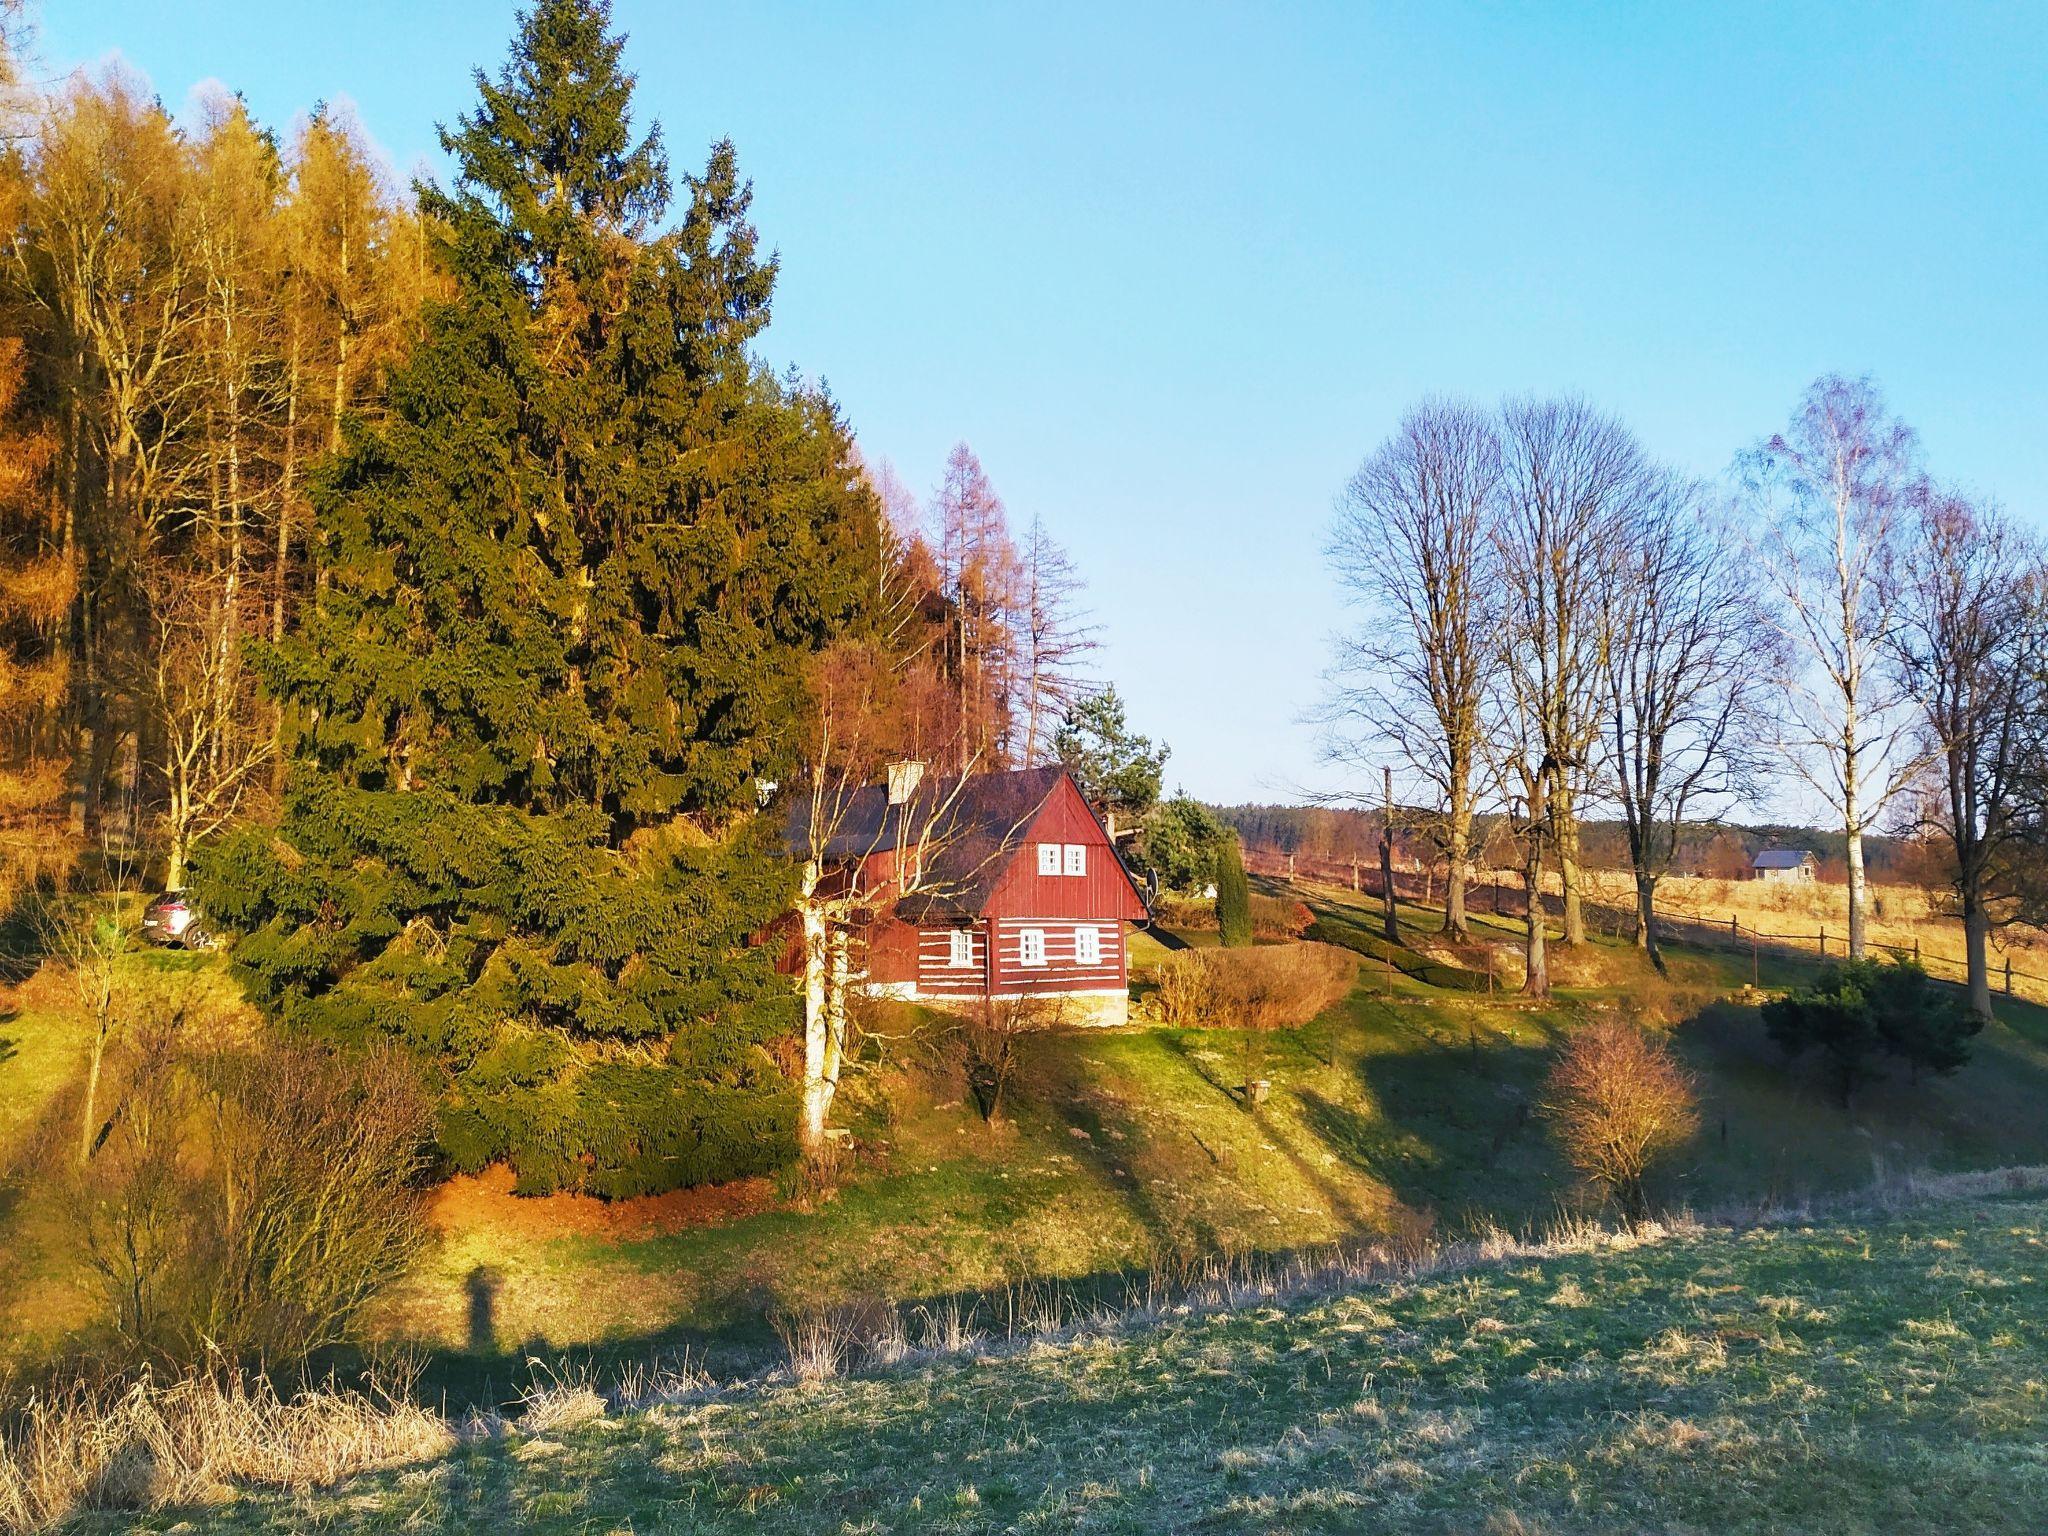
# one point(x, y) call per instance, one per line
point(1173, 270)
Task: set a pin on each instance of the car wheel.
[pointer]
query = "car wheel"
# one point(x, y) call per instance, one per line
point(195, 936)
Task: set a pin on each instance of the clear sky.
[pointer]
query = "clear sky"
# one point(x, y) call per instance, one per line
point(1173, 270)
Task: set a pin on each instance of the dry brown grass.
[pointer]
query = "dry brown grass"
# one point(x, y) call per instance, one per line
point(1899, 915)
point(149, 1445)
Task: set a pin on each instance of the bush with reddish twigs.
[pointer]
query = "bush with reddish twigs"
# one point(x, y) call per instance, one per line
point(1617, 1100)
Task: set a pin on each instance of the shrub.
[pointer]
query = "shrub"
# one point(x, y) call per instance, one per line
point(1183, 994)
point(1190, 914)
point(988, 1040)
point(1278, 986)
point(1617, 1100)
point(1856, 1009)
point(1233, 897)
point(250, 1194)
point(1280, 917)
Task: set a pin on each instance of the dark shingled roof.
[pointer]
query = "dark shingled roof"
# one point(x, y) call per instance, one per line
point(1780, 858)
point(972, 824)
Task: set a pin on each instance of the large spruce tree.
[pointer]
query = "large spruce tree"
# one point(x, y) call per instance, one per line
point(568, 590)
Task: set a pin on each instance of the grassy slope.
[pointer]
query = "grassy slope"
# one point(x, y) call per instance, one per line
point(1127, 1147)
point(1849, 1376)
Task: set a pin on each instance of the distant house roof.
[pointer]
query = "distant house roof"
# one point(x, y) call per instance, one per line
point(970, 826)
point(1781, 858)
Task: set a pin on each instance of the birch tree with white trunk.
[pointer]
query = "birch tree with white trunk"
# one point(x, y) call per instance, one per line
point(1829, 497)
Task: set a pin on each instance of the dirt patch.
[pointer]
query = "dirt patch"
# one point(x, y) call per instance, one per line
point(485, 1202)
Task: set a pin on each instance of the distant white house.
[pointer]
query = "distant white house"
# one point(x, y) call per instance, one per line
point(1784, 864)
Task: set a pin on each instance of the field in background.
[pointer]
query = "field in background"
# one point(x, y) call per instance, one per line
point(1849, 1375)
point(1901, 916)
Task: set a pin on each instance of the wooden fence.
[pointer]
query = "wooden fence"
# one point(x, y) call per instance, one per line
point(1498, 893)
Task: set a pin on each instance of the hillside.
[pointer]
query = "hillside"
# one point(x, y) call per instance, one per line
point(1850, 1375)
point(1408, 1110)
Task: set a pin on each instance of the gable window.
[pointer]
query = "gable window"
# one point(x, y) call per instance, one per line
point(1031, 946)
point(1088, 946)
point(959, 948)
point(1048, 858)
point(1077, 858)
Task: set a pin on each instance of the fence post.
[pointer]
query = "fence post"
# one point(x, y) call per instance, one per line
point(1916, 949)
point(2008, 975)
point(1731, 926)
point(1755, 966)
point(1823, 942)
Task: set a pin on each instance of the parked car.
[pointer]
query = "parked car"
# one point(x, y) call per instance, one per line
point(175, 918)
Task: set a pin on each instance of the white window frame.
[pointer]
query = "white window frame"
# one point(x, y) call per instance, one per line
point(960, 949)
point(1048, 858)
point(1076, 859)
point(1031, 948)
point(1088, 946)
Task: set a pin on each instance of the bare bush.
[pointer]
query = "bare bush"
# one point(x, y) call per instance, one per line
point(1617, 1100)
point(988, 1043)
point(249, 1195)
point(1277, 986)
point(1183, 994)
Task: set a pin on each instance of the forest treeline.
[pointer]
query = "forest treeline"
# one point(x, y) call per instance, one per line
point(1713, 850)
point(438, 582)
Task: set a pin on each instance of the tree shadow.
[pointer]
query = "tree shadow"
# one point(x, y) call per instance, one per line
point(1452, 1127)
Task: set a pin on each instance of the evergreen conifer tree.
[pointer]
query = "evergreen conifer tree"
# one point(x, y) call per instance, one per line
point(1233, 897)
point(571, 584)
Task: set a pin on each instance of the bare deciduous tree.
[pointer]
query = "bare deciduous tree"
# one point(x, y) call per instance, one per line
point(1683, 679)
point(1054, 640)
point(204, 706)
point(1971, 652)
point(1573, 480)
point(1411, 548)
point(1830, 492)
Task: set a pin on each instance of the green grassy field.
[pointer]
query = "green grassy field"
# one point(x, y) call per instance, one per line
point(1849, 1376)
point(1405, 1109)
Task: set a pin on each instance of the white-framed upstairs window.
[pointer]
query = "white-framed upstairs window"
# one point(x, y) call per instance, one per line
point(1048, 858)
point(959, 948)
point(1087, 946)
point(1031, 946)
point(1077, 859)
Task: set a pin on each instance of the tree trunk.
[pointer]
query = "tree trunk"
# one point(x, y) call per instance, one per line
point(1976, 936)
point(817, 1028)
point(1858, 895)
point(89, 1113)
point(287, 488)
point(1393, 926)
point(1536, 967)
point(1565, 818)
point(1646, 920)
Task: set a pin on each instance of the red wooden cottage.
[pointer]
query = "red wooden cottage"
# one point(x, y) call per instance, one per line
point(999, 885)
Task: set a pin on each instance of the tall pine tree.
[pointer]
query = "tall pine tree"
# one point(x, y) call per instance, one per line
point(571, 583)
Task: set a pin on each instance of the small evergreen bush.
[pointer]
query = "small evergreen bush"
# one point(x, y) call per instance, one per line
point(1233, 897)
